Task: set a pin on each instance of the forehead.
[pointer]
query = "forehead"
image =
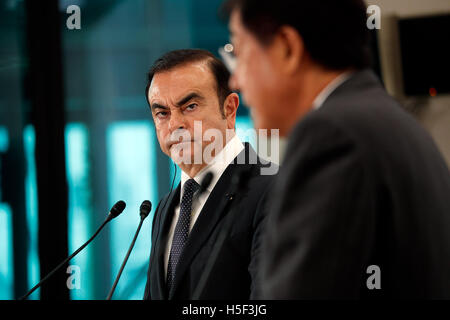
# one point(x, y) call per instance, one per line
point(174, 83)
point(235, 24)
point(241, 37)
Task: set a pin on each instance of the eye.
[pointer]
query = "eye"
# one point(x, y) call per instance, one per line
point(192, 106)
point(161, 114)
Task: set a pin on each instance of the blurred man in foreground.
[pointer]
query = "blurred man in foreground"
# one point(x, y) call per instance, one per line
point(362, 201)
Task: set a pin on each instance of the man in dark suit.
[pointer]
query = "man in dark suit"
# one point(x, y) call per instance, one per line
point(362, 201)
point(204, 244)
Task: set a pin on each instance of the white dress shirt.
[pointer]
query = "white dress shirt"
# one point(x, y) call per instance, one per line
point(216, 167)
point(333, 85)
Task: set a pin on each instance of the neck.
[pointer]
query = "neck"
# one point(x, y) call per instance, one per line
point(193, 169)
point(308, 85)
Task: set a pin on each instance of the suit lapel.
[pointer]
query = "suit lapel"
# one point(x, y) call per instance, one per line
point(211, 213)
point(166, 216)
point(207, 220)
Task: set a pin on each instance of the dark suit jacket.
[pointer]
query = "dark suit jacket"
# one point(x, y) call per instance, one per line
point(235, 272)
point(362, 184)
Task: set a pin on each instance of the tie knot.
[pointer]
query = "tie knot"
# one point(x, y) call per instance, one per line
point(191, 186)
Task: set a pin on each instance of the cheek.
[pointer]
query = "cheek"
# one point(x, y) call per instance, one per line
point(261, 93)
point(258, 79)
point(161, 135)
point(265, 100)
point(214, 123)
point(265, 120)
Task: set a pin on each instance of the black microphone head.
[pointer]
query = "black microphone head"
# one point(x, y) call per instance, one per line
point(117, 208)
point(206, 181)
point(145, 209)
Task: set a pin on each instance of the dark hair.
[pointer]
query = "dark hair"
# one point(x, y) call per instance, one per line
point(334, 32)
point(177, 58)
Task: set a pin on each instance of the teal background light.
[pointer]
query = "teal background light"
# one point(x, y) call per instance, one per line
point(4, 139)
point(29, 139)
point(6, 254)
point(132, 177)
point(245, 130)
point(80, 210)
point(177, 179)
point(6, 242)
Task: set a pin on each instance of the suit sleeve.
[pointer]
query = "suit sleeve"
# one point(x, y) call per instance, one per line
point(320, 228)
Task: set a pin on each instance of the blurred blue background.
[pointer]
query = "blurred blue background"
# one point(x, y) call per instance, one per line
point(110, 145)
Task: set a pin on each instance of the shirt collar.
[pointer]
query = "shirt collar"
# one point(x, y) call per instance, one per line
point(218, 164)
point(333, 85)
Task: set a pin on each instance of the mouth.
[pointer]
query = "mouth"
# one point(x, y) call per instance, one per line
point(173, 143)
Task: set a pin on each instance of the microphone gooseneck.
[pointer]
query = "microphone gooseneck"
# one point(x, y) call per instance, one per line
point(144, 210)
point(117, 209)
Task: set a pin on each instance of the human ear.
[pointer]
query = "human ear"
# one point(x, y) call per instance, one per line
point(230, 107)
point(290, 50)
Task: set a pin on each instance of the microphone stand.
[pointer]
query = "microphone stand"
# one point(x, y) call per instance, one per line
point(66, 260)
point(111, 292)
point(117, 209)
point(144, 210)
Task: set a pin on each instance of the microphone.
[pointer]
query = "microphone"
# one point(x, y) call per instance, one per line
point(114, 212)
point(144, 210)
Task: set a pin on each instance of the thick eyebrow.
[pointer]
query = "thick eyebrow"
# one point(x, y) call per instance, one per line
point(181, 102)
point(190, 96)
point(155, 106)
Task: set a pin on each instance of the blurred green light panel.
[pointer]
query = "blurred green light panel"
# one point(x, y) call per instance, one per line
point(80, 212)
point(4, 139)
point(6, 237)
point(132, 177)
point(6, 254)
point(172, 172)
point(245, 130)
point(32, 210)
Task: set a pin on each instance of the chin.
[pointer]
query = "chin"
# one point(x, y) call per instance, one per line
point(180, 155)
point(260, 122)
point(268, 125)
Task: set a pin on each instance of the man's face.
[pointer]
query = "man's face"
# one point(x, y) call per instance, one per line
point(258, 77)
point(179, 97)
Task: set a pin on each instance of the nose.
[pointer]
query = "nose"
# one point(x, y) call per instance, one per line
point(176, 121)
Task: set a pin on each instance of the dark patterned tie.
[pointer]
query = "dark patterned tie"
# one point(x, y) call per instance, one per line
point(181, 230)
